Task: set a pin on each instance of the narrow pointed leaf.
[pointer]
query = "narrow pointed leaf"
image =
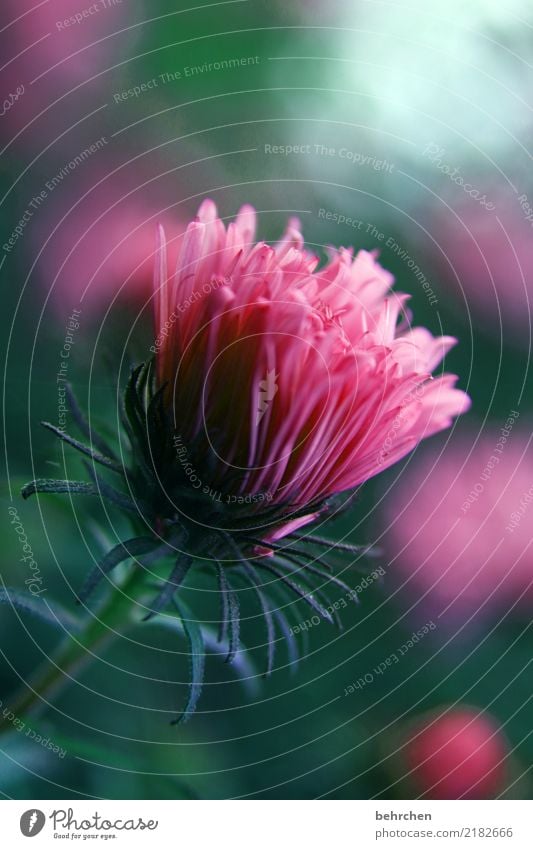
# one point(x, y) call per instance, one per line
point(292, 549)
point(84, 426)
point(234, 607)
point(105, 490)
point(326, 600)
point(234, 624)
point(51, 485)
point(299, 591)
point(256, 583)
point(176, 578)
point(303, 567)
point(290, 639)
point(193, 632)
point(312, 539)
point(224, 603)
point(131, 548)
point(242, 665)
point(84, 449)
point(50, 612)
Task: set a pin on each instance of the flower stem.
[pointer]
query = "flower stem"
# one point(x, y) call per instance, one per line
point(74, 652)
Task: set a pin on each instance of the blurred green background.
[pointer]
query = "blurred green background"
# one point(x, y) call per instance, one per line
point(407, 97)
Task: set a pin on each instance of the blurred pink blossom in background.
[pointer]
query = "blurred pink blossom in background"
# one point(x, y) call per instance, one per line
point(105, 237)
point(459, 526)
point(459, 754)
point(487, 260)
point(54, 47)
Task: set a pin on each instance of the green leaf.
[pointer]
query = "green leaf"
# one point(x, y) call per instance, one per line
point(224, 603)
point(242, 665)
point(290, 639)
point(194, 635)
point(176, 578)
point(257, 584)
point(296, 565)
point(50, 612)
point(84, 449)
point(105, 490)
point(298, 590)
point(84, 426)
point(231, 616)
point(333, 545)
point(52, 485)
point(131, 548)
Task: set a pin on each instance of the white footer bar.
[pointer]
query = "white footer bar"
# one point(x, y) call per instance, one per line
point(267, 824)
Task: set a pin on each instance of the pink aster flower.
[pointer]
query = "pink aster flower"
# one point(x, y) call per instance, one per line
point(277, 385)
point(288, 379)
point(461, 541)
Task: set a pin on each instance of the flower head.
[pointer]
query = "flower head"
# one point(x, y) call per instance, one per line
point(276, 386)
point(286, 380)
